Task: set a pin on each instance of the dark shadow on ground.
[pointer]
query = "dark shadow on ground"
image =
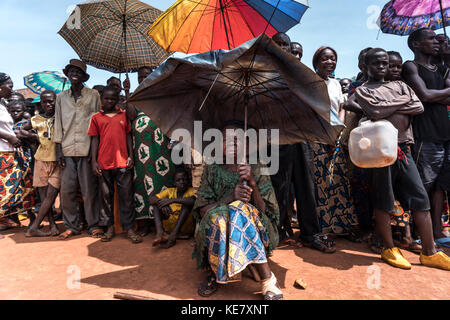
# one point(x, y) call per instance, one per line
point(170, 272)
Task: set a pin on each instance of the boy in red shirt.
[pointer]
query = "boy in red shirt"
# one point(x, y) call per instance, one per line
point(112, 161)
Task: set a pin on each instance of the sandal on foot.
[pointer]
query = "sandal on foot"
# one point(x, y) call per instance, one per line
point(208, 288)
point(321, 243)
point(97, 233)
point(135, 238)
point(66, 234)
point(414, 246)
point(107, 237)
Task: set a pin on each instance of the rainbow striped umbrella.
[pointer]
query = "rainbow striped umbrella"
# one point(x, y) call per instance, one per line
point(195, 26)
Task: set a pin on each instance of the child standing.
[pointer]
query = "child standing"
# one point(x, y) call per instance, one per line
point(47, 173)
point(22, 130)
point(397, 103)
point(112, 162)
point(174, 206)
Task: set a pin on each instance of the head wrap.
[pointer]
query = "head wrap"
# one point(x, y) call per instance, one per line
point(3, 78)
point(319, 52)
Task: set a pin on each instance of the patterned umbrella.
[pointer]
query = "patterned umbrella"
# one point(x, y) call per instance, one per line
point(38, 82)
point(194, 26)
point(113, 35)
point(401, 17)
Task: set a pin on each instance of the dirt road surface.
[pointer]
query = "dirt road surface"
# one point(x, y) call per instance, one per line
point(47, 268)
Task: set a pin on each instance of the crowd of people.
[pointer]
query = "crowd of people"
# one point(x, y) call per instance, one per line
point(87, 146)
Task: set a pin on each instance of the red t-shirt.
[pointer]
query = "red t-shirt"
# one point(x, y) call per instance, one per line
point(112, 132)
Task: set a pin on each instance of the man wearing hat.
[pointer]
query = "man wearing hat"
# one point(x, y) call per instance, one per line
point(73, 112)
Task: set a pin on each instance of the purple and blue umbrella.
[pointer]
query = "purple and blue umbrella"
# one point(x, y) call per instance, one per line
point(401, 17)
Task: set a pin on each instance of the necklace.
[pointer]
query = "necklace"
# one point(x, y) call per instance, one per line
point(434, 69)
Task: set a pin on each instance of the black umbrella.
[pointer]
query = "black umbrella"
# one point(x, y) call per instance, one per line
point(257, 81)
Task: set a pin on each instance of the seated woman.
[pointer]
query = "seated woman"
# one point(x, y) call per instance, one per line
point(237, 223)
point(173, 208)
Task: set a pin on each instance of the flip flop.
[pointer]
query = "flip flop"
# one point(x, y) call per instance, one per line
point(443, 242)
point(97, 233)
point(107, 237)
point(66, 234)
point(208, 288)
point(135, 238)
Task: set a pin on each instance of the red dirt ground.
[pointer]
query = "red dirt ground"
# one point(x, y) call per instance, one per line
point(37, 268)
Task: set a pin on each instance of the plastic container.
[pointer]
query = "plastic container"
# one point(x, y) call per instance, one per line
point(373, 144)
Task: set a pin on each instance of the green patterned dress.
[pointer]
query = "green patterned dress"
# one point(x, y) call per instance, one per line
point(153, 166)
point(218, 183)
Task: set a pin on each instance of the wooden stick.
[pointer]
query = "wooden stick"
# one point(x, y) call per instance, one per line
point(127, 296)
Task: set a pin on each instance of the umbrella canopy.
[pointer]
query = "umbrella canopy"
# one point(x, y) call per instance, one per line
point(194, 26)
point(279, 92)
point(38, 82)
point(401, 17)
point(113, 35)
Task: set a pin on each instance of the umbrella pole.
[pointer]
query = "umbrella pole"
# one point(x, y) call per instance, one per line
point(443, 20)
point(224, 23)
point(124, 22)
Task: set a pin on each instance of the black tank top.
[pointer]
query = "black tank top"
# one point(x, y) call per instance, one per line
point(433, 125)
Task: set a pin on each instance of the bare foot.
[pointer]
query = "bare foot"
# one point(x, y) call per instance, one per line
point(66, 234)
point(37, 233)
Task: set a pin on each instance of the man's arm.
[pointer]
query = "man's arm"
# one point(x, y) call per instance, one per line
point(130, 162)
point(130, 111)
point(58, 133)
point(412, 77)
point(94, 153)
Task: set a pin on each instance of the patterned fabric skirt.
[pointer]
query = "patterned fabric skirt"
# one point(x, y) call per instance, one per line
point(16, 188)
point(333, 194)
point(236, 240)
point(400, 218)
point(153, 166)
